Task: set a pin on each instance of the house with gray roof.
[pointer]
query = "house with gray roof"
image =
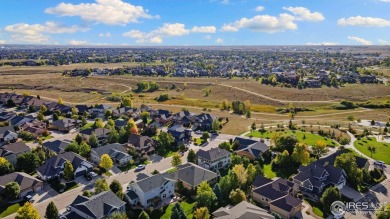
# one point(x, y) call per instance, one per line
point(54, 166)
point(57, 146)
point(13, 150)
point(7, 135)
point(192, 175)
point(250, 148)
point(116, 151)
point(213, 159)
point(243, 210)
point(98, 206)
point(65, 124)
point(27, 183)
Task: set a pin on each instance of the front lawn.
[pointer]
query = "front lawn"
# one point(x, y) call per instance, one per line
point(8, 209)
point(198, 141)
point(187, 207)
point(42, 138)
point(268, 171)
point(285, 172)
point(382, 150)
point(172, 170)
point(86, 126)
point(310, 139)
point(56, 185)
point(317, 207)
point(167, 152)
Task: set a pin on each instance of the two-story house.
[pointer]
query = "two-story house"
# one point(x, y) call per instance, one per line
point(180, 133)
point(27, 183)
point(213, 159)
point(102, 134)
point(7, 135)
point(204, 122)
point(13, 150)
point(116, 151)
point(250, 148)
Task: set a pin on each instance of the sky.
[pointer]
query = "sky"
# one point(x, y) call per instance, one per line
point(195, 22)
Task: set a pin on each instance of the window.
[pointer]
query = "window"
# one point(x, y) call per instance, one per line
point(164, 195)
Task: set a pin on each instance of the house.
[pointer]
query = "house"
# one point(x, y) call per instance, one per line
point(204, 122)
point(57, 146)
point(98, 206)
point(278, 195)
point(64, 124)
point(99, 110)
point(28, 184)
point(81, 109)
point(250, 148)
point(313, 83)
point(123, 111)
point(161, 116)
point(18, 121)
point(13, 150)
point(7, 135)
point(213, 159)
point(313, 178)
point(119, 123)
point(5, 116)
point(54, 166)
point(243, 210)
point(144, 145)
point(116, 151)
point(184, 118)
point(35, 131)
point(180, 133)
point(192, 175)
point(151, 190)
point(362, 163)
point(102, 134)
point(367, 79)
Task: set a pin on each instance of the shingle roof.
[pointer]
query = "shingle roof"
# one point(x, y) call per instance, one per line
point(57, 146)
point(260, 181)
point(287, 203)
point(6, 129)
point(24, 180)
point(99, 205)
point(212, 154)
point(154, 181)
point(243, 210)
point(194, 174)
point(15, 148)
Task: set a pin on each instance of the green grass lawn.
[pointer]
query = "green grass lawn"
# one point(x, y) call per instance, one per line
point(45, 138)
point(167, 152)
point(310, 139)
point(198, 141)
point(87, 126)
point(187, 207)
point(171, 170)
point(268, 171)
point(68, 186)
point(382, 149)
point(8, 209)
point(317, 208)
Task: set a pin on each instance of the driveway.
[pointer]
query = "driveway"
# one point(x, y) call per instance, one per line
point(351, 193)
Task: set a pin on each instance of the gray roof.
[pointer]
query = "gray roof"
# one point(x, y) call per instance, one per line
point(109, 148)
point(212, 154)
point(99, 205)
point(194, 174)
point(24, 180)
point(5, 130)
point(243, 210)
point(154, 181)
point(57, 146)
point(15, 148)
point(287, 203)
point(274, 189)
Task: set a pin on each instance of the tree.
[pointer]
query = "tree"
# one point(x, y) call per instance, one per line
point(191, 156)
point(285, 142)
point(51, 211)
point(101, 186)
point(225, 105)
point(330, 195)
point(176, 160)
point(215, 125)
point(202, 213)
point(118, 215)
point(237, 196)
point(178, 212)
point(27, 211)
point(78, 139)
point(205, 136)
point(43, 109)
point(11, 190)
point(143, 215)
point(252, 173)
point(347, 162)
point(98, 123)
point(107, 114)
point(127, 102)
point(116, 186)
point(5, 166)
point(92, 140)
point(205, 197)
point(68, 170)
point(131, 127)
point(106, 162)
point(27, 162)
point(74, 111)
point(225, 145)
point(241, 173)
point(60, 101)
point(166, 139)
point(384, 212)
point(372, 149)
point(145, 116)
point(218, 193)
point(41, 117)
point(282, 159)
point(301, 154)
point(319, 148)
point(113, 137)
point(227, 184)
point(253, 127)
point(350, 118)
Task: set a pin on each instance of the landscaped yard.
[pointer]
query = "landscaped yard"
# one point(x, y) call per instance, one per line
point(187, 207)
point(198, 141)
point(285, 172)
point(382, 150)
point(87, 126)
point(9, 209)
point(268, 171)
point(68, 186)
point(167, 152)
point(45, 138)
point(316, 206)
point(310, 139)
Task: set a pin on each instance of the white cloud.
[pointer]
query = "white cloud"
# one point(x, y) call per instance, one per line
point(108, 34)
point(167, 30)
point(259, 8)
point(204, 29)
point(384, 0)
point(2, 41)
point(207, 37)
point(225, 2)
point(263, 23)
point(360, 40)
point(383, 42)
point(364, 22)
point(35, 33)
point(322, 43)
point(219, 40)
point(304, 14)
point(111, 12)
point(77, 42)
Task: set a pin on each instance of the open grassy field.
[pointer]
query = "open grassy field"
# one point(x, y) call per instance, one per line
point(382, 150)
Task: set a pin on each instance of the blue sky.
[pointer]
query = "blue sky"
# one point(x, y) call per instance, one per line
point(195, 22)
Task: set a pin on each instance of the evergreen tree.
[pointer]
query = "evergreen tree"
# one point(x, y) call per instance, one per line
point(51, 211)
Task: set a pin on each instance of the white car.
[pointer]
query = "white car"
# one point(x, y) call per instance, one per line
point(140, 167)
point(379, 163)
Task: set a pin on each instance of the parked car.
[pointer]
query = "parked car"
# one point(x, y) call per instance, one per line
point(379, 163)
point(199, 132)
point(140, 167)
point(29, 198)
point(90, 175)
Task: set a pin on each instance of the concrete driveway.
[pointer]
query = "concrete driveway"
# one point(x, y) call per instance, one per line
point(351, 193)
